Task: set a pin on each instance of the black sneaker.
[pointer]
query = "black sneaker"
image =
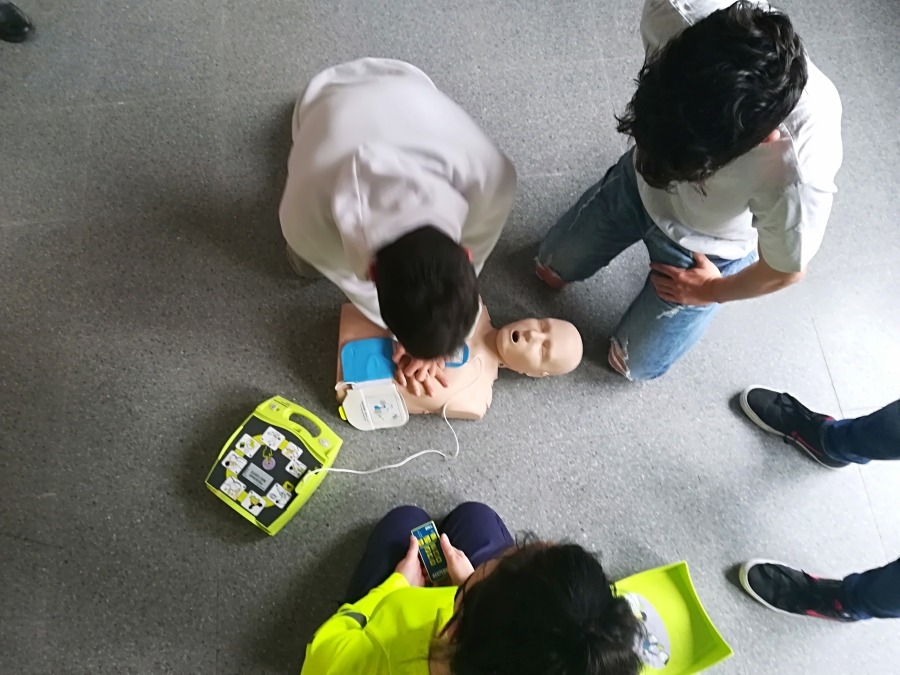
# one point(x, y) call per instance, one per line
point(791, 591)
point(15, 26)
point(782, 414)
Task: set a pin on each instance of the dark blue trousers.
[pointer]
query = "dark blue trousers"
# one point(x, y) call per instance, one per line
point(875, 593)
point(473, 528)
point(875, 436)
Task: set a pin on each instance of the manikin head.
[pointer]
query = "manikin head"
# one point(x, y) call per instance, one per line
point(540, 347)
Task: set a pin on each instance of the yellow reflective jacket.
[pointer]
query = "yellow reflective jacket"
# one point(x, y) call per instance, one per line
point(388, 632)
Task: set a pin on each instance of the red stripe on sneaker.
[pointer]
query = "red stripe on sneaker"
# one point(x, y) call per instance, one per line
point(806, 445)
point(810, 612)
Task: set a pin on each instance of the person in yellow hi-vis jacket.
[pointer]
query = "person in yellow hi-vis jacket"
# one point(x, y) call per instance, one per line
point(536, 608)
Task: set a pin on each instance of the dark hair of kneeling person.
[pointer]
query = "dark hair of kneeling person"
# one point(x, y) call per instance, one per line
point(542, 609)
point(427, 292)
point(713, 93)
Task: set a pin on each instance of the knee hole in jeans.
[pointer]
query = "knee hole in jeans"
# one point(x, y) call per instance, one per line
point(618, 358)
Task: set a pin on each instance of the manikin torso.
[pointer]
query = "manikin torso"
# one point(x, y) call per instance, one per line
point(476, 376)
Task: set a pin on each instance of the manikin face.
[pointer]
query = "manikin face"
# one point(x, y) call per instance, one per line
point(540, 347)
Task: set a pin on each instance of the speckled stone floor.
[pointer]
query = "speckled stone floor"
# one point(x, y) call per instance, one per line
point(146, 307)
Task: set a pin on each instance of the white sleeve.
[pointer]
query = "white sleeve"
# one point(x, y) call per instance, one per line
point(660, 22)
point(481, 236)
point(791, 225)
point(361, 293)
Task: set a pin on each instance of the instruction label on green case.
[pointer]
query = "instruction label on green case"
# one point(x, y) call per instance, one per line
point(258, 477)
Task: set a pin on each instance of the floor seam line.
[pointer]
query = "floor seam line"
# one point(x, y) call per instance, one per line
point(874, 515)
point(33, 541)
point(827, 367)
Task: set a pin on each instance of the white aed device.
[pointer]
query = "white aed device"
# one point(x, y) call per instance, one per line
point(376, 404)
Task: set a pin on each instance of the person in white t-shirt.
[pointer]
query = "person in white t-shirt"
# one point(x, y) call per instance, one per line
point(730, 183)
point(397, 196)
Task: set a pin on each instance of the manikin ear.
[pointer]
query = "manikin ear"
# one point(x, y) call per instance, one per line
point(372, 272)
point(774, 136)
point(468, 252)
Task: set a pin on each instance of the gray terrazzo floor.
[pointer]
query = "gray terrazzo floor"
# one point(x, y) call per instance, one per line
point(146, 307)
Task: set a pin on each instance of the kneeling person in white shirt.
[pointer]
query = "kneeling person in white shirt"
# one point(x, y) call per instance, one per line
point(397, 196)
point(730, 184)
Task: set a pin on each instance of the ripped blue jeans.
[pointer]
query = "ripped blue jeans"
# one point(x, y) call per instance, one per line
point(607, 219)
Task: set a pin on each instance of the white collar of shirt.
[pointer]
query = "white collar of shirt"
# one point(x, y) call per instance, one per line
point(664, 19)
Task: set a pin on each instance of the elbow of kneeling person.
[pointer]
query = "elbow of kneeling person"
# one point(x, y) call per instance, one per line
point(777, 279)
point(790, 278)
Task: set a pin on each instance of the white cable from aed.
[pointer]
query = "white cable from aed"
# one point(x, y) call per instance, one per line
point(443, 454)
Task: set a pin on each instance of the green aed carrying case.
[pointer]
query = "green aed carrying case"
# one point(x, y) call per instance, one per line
point(265, 471)
point(678, 636)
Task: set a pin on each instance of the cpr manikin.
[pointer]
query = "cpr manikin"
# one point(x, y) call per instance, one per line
point(532, 347)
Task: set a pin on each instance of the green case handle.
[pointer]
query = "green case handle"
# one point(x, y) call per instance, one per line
point(286, 410)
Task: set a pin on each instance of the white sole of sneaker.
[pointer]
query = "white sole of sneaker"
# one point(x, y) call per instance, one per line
point(745, 582)
point(748, 411)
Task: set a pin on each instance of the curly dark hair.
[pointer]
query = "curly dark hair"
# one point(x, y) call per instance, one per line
point(713, 93)
point(546, 609)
